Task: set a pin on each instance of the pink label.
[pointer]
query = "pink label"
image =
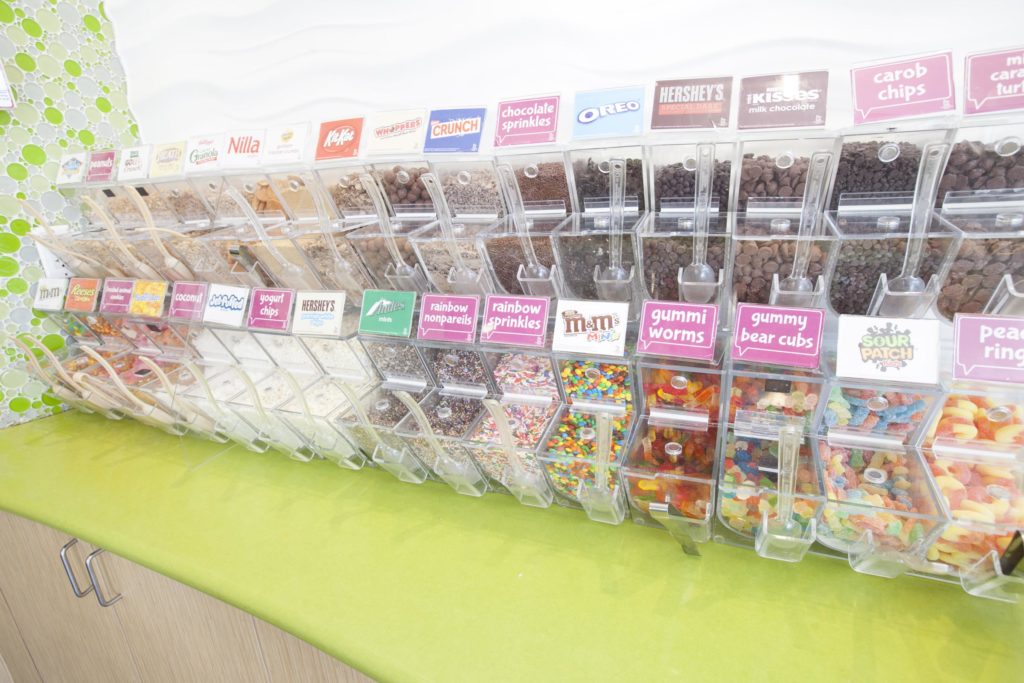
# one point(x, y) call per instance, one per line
point(117, 294)
point(515, 320)
point(988, 348)
point(101, 167)
point(526, 122)
point(678, 330)
point(995, 81)
point(271, 309)
point(912, 87)
point(448, 318)
point(777, 335)
point(188, 299)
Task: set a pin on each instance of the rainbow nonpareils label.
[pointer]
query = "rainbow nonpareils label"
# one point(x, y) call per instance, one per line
point(910, 87)
point(515, 320)
point(448, 318)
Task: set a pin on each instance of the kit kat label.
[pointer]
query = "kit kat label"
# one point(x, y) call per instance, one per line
point(988, 348)
point(243, 149)
point(148, 298)
point(134, 163)
point(608, 113)
point(778, 335)
point(692, 103)
point(50, 292)
point(910, 87)
point(448, 318)
point(515, 320)
point(678, 330)
point(285, 144)
point(455, 130)
point(117, 294)
point(83, 294)
point(339, 139)
point(72, 168)
point(102, 166)
point(995, 81)
point(902, 350)
point(271, 309)
point(318, 313)
point(783, 100)
point(526, 122)
point(225, 305)
point(167, 160)
point(396, 132)
point(187, 301)
point(387, 312)
point(591, 327)
point(205, 153)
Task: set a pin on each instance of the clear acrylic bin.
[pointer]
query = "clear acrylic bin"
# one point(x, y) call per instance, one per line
point(371, 426)
point(542, 181)
point(369, 243)
point(503, 250)
point(986, 156)
point(470, 187)
point(674, 177)
point(590, 169)
point(309, 415)
point(435, 252)
point(773, 172)
point(528, 423)
point(759, 393)
point(666, 248)
point(867, 414)
point(582, 243)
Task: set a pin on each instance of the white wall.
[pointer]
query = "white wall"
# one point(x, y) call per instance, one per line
point(203, 66)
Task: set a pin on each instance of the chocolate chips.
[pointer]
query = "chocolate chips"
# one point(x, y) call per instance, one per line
point(974, 165)
point(663, 256)
point(591, 178)
point(755, 260)
point(979, 266)
point(578, 255)
point(674, 182)
point(876, 166)
point(762, 177)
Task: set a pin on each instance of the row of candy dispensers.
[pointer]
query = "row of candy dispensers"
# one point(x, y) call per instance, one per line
point(922, 480)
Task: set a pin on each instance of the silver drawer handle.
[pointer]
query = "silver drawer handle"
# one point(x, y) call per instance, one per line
point(79, 593)
point(96, 584)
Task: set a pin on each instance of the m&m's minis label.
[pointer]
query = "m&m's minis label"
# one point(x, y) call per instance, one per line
point(778, 335)
point(515, 320)
point(678, 330)
point(591, 327)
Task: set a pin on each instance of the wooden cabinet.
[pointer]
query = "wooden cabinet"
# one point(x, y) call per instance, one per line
point(160, 630)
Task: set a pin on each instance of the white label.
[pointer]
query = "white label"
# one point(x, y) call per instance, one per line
point(225, 305)
point(591, 327)
point(50, 294)
point(285, 144)
point(243, 149)
point(396, 132)
point(167, 159)
point(318, 313)
point(205, 153)
point(134, 164)
point(6, 96)
point(72, 168)
point(903, 350)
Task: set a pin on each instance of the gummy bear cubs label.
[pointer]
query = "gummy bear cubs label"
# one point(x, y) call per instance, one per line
point(994, 81)
point(318, 313)
point(83, 294)
point(50, 292)
point(591, 327)
point(515, 320)
point(988, 348)
point(225, 305)
point(678, 330)
point(527, 122)
point(455, 130)
point(387, 312)
point(448, 318)
point(889, 349)
point(910, 87)
point(778, 335)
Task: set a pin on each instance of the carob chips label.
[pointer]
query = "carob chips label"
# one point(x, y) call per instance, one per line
point(515, 320)
point(692, 103)
point(988, 348)
point(783, 100)
point(995, 81)
point(778, 335)
point(910, 87)
point(678, 330)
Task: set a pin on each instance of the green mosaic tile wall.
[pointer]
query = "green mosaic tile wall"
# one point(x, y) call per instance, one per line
point(70, 94)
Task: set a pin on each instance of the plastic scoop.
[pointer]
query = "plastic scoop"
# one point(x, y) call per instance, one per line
point(65, 391)
point(341, 267)
point(529, 489)
point(535, 278)
point(175, 269)
point(290, 274)
point(195, 419)
point(302, 454)
point(462, 278)
point(80, 264)
point(400, 274)
point(699, 281)
point(141, 411)
point(782, 537)
point(615, 283)
point(904, 295)
point(602, 502)
point(461, 476)
point(399, 463)
point(142, 269)
point(796, 289)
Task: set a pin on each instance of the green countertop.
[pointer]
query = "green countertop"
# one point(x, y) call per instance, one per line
point(417, 583)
